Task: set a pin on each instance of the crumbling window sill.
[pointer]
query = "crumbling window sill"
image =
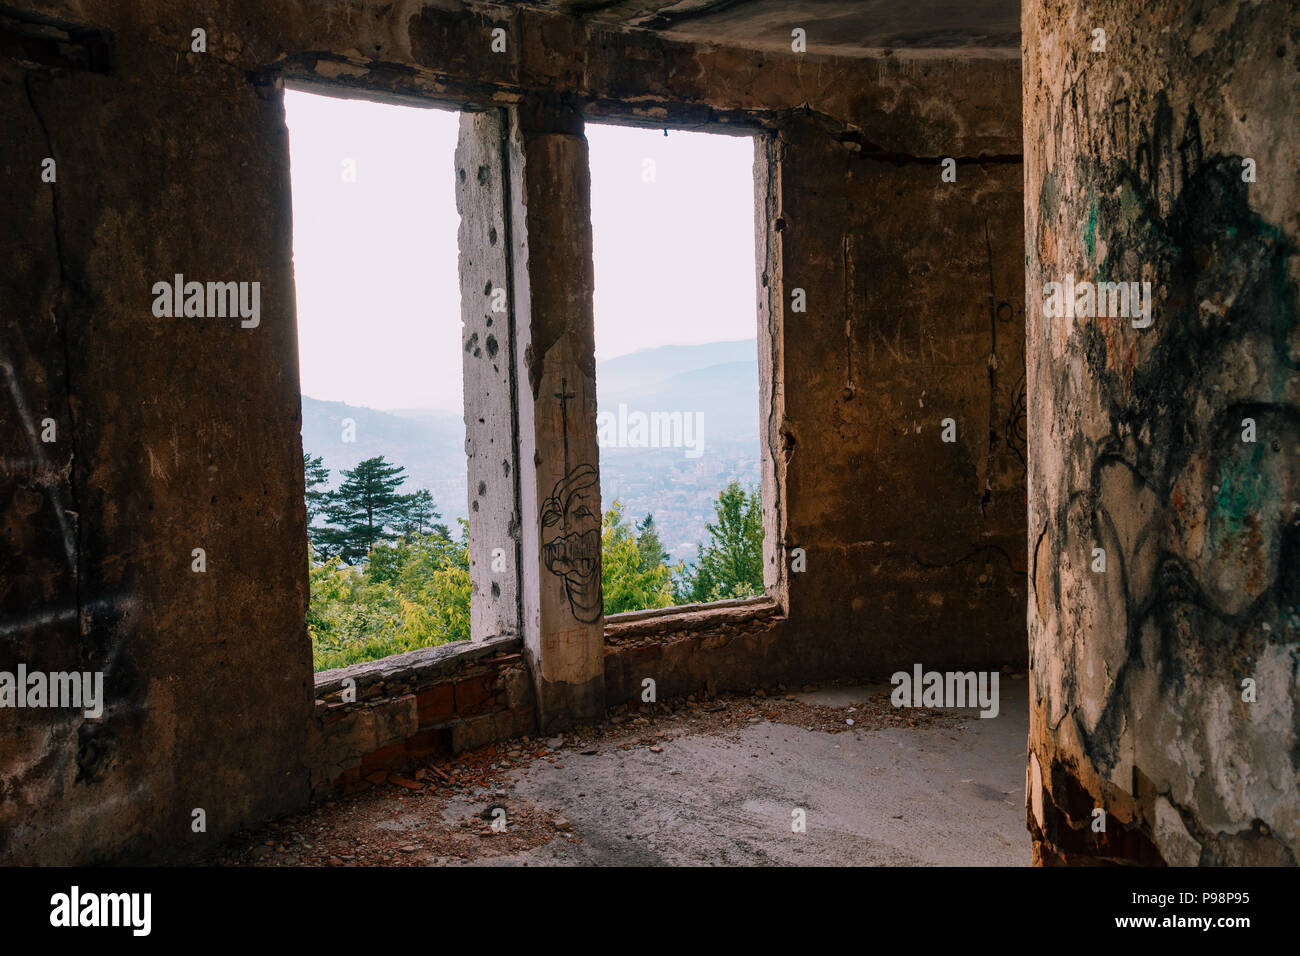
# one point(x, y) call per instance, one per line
point(401, 672)
point(688, 618)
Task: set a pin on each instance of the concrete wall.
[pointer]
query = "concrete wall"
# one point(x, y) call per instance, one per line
point(177, 434)
point(172, 435)
point(913, 544)
point(1134, 172)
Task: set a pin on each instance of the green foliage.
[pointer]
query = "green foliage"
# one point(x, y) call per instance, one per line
point(410, 594)
point(634, 572)
point(731, 564)
point(387, 577)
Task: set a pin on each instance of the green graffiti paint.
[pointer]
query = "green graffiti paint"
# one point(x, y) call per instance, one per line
point(1243, 485)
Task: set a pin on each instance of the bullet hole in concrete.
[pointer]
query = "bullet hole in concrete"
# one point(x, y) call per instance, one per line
point(492, 235)
point(482, 487)
point(492, 346)
point(496, 589)
point(484, 175)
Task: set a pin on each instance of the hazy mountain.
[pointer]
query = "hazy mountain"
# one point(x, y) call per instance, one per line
point(718, 382)
point(430, 445)
point(648, 367)
point(726, 395)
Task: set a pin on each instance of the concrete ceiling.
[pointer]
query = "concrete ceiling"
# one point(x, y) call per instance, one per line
point(842, 27)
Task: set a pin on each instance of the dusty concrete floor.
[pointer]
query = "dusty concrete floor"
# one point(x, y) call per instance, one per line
point(708, 785)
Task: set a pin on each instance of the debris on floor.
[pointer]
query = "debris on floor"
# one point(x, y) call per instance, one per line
point(413, 816)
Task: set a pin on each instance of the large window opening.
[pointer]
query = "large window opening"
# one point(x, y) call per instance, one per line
point(677, 366)
point(375, 268)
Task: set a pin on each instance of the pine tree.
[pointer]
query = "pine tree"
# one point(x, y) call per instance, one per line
point(648, 543)
point(364, 510)
point(420, 514)
point(316, 476)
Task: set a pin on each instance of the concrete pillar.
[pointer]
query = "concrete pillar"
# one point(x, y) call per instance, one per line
point(550, 223)
point(487, 338)
point(1164, 681)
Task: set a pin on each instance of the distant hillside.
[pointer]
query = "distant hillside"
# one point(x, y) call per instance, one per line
point(648, 367)
point(718, 380)
point(431, 447)
point(726, 395)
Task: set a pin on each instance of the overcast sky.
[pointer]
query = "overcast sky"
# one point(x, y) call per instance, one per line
point(375, 259)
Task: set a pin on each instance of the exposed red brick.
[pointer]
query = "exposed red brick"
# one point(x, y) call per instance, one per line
point(475, 695)
point(435, 704)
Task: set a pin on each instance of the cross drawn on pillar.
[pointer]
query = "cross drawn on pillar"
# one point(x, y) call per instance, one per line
point(564, 395)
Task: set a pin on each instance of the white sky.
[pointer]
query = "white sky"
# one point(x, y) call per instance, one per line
point(375, 260)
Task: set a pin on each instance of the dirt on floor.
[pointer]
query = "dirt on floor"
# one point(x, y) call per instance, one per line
point(410, 817)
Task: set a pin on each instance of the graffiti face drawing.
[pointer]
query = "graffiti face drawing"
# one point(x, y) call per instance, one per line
point(572, 516)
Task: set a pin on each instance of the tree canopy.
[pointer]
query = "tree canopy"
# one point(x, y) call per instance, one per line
point(387, 576)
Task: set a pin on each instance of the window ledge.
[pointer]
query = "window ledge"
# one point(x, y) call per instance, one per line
point(422, 666)
point(687, 618)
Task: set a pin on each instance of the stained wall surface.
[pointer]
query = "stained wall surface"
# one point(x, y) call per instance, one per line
point(183, 433)
point(1164, 687)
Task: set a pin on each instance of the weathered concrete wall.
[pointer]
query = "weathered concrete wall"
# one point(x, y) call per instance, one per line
point(487, 337)
point(914, 315)
point(175, 434)
point(1135, 171)
point(172, 434)
point(556, 360)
